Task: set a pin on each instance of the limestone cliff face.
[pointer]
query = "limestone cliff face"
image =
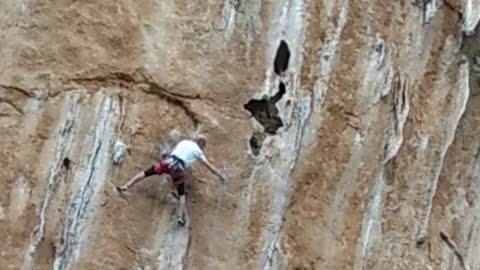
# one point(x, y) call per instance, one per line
point(348, 130)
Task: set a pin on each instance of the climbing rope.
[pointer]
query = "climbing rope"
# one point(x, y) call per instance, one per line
point(222, 189)
point(215, 226)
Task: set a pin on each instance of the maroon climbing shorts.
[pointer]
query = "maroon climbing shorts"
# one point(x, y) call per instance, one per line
point(178, 176)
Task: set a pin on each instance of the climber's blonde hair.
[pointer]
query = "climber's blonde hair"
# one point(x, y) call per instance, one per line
point(200, 140)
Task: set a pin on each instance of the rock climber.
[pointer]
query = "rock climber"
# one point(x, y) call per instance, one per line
point(174, 164)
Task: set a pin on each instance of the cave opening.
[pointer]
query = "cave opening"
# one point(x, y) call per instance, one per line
point(282, 58)
point(256, 142)
point(266, 113)
point(66, 163)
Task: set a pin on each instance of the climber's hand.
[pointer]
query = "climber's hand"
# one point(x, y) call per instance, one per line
point(223, 178)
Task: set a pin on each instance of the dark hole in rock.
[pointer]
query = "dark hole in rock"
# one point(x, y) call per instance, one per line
point(281, 58)
point(288, 104)
point(66, 163)
point(282, 89)
point(265, 111)
point(420, 242)
point(256, 142)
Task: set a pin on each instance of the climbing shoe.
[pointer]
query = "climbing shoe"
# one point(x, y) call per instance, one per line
point(121, 189)
point(181, 220)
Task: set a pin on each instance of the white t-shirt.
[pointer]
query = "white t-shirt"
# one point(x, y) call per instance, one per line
point(188, 151)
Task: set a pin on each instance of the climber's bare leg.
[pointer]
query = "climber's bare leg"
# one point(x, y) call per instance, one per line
point(181, 206)
point(134, 180)
point(180, 211)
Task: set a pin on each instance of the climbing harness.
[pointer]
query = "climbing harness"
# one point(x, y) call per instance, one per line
point(175, 163)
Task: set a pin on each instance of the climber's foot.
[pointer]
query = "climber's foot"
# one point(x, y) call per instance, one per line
point(121, 190)
point(181, 220)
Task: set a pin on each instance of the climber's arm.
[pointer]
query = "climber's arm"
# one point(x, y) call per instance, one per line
point(213, 169)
